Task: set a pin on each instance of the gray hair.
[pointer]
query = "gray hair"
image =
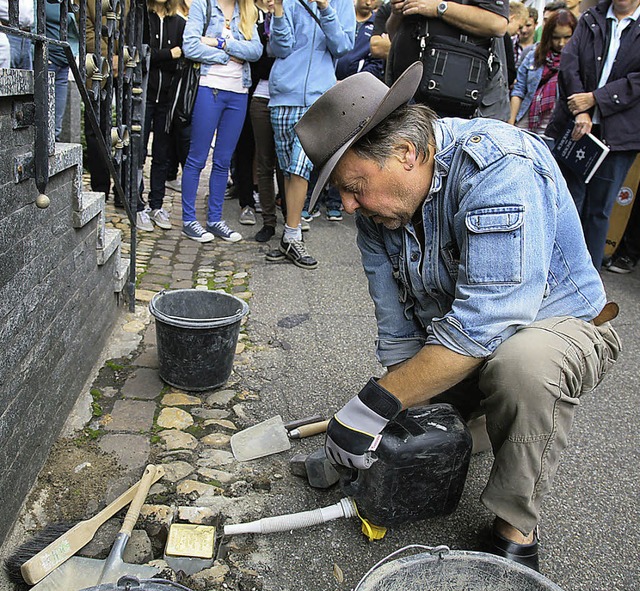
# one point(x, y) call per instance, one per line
point(409, 123)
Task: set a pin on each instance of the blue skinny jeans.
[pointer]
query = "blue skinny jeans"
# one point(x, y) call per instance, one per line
point(214, 111)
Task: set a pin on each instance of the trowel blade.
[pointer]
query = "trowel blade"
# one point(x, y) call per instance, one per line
point(263, 439)
point(79, 573)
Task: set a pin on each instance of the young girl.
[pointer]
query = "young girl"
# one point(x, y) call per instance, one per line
point(534, 92)
point(230, 42)
point(165, 39)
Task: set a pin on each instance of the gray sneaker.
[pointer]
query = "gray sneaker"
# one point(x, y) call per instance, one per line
point(196, 232)
point(248, 216)
point(174, 185)
point(161, 219)
point(143, 221)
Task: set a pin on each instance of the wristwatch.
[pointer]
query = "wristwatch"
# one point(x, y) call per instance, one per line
point(442, 8)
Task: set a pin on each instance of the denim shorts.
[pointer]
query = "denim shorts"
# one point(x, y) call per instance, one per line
point(291, 156)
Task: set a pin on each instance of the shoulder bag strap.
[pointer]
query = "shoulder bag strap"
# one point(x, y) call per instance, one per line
point(313, 15)
point(208, 18)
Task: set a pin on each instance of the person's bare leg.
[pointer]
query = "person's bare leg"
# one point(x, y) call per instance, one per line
point(511, 533)
point(295, 194)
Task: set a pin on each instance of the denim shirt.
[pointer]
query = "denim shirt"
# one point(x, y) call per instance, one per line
point(194, 49)
point(503, 247)
point(527, 82)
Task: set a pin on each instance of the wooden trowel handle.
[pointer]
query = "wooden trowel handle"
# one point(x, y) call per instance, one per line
point(134, 509)
point(311, 429)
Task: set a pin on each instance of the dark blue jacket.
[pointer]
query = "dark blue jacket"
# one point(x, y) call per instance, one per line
point(359, 58)
point(580, 68)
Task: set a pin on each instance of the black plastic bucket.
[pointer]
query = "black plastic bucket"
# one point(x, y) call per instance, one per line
point(197, 333)
point(441, 569)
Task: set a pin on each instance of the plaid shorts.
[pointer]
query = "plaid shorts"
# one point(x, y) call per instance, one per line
point(291, 156)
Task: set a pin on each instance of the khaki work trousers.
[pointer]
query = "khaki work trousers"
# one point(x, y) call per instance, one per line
point(529, 390)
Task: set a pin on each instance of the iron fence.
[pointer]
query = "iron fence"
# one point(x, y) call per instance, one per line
point(114, 79)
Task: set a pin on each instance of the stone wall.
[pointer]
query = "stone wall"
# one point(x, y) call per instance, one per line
point(58, 300)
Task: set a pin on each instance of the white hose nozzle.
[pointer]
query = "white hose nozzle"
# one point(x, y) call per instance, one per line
point(345, 508)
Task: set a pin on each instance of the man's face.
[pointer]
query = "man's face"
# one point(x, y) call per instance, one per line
point(625, 7)
point(364, 6)
point(527, 30)
point(386, 194)
point(515, 22)
point(571, 4)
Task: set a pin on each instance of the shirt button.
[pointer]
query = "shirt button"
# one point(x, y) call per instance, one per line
point(475, 139)
point(414, 257)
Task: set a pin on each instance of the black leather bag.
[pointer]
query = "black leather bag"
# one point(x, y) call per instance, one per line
point(455, 74)
point(184, 90)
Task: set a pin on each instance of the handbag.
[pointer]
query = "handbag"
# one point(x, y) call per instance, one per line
point(455, 73)
point(184, 88)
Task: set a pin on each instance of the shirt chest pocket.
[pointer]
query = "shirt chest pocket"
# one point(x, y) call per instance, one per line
point(495, 245)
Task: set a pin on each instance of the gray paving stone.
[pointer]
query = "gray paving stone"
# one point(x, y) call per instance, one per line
point(132, 416)
point(132, 451)
point(145, 383)
point(148, 358)
point(182, 284)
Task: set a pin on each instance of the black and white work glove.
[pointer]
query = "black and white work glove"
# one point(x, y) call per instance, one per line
point(354, 431)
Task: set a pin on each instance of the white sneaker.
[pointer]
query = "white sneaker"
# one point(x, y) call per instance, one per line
point(161, 219)
point(143, 222)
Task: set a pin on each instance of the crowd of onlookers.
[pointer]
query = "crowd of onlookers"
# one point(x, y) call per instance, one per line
point(551, 67)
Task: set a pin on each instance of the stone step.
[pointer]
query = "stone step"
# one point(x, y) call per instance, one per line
point(112, 241)
point(122, 274)
point(90, 205)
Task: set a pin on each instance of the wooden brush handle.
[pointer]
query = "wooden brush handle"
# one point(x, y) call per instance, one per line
point(64, 547)
point(134, 509)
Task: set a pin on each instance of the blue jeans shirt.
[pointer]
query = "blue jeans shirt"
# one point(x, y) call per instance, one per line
point(503, 247)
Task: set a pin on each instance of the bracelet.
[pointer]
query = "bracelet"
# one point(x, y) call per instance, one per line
point(220, 42)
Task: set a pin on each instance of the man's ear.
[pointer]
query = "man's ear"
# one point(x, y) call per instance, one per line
point(407, 154)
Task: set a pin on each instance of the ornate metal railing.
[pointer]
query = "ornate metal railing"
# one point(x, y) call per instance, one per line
point(122, 91)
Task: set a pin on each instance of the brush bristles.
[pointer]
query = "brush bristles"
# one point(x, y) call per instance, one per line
point(29, 549)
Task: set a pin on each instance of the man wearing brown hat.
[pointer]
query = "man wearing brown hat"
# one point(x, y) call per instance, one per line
point(484, 292)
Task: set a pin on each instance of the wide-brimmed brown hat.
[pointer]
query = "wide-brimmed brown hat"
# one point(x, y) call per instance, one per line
point(345, 113)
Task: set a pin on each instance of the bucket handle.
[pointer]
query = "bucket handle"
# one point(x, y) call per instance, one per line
point(441, 551)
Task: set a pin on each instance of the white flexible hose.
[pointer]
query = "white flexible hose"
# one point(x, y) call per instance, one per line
point(345, 508)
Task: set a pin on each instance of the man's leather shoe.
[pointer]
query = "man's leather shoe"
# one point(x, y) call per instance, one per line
point(526, 554)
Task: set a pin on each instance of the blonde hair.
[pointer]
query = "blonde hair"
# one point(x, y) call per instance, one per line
point(248, 17)
point(170, 7)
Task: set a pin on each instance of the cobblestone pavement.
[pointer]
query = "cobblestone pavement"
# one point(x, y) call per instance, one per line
point(306, 347)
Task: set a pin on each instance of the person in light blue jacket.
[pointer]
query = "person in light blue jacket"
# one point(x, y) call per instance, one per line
point(224, 46)
point(306, 38)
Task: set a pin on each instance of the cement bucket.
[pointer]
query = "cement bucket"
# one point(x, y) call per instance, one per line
point(442, 569)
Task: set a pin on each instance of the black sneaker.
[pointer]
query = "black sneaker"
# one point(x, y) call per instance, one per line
point(296, 252)
point(621, 264)
point(265, 234)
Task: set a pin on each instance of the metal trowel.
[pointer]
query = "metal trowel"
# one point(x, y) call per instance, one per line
point(272, 436)
point(80, 573)
point(263, 439)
